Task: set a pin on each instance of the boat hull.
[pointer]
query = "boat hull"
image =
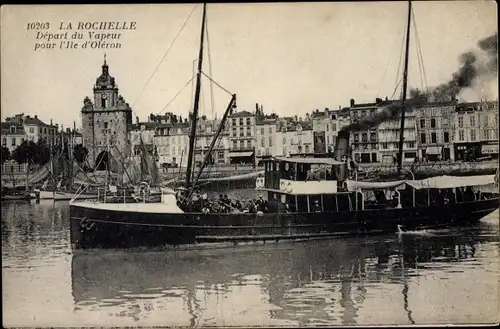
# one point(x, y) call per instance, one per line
point(150, 227)
point(60, 196)
point(20, 197)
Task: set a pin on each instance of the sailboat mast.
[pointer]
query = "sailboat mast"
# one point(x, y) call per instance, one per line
point(405, 86)
point(194, 118)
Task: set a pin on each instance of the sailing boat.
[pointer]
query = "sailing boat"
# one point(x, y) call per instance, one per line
point(54, 191)
point(297, 207)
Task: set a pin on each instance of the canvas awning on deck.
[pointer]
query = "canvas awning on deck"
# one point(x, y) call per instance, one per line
point(434, 150)
point(353, 185)
point(240, 154)
point(442, 182)
point(311, 160)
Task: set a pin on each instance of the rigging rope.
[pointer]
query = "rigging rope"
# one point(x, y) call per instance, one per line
point(419, 52)
point(218, 85)
point(398, 78)
point(389, 63)
point(164, 56)
point(212, 99)
point(171, 101)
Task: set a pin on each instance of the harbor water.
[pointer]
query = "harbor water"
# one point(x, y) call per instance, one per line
point(430, 277)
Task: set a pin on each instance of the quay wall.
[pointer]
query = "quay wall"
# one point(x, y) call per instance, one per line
point(420, 170)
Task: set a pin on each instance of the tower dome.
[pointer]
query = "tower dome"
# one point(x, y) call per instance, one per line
point(105, 80)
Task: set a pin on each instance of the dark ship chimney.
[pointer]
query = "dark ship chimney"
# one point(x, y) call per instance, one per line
point(342, 153)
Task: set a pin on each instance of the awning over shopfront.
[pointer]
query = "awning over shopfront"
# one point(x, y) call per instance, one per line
point(434, 150)
point(489, 149)
point(240, 154)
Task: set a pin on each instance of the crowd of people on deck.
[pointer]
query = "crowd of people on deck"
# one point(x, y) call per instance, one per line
point(224, 204)
point(200, 203)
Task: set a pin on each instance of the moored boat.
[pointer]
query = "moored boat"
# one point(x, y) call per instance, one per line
point(319, 208)
point(60, 195)
point(306, 198)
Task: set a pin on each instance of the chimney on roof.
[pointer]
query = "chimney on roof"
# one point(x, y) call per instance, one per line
point(137, 119)
point(378, 100)
point(340, 107)
point(51, 122)
point(352, 102)
point(327, 109)
point(36, 116)
point(386, 98)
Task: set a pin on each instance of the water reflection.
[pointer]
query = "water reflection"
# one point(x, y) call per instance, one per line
point(393, 279)
point(311, 283)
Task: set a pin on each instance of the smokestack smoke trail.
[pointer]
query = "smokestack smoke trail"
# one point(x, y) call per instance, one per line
point(389, 112)
point(472, 68)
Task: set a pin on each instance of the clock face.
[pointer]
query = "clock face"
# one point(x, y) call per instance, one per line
point(104, 96)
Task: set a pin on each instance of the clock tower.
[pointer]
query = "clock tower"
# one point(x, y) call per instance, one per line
point(105, 124)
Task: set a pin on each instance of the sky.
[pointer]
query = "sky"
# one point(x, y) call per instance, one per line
point(292, 58)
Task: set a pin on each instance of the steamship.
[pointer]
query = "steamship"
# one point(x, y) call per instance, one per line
point(322, 200)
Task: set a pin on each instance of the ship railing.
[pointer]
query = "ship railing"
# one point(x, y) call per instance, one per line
point(362, 199)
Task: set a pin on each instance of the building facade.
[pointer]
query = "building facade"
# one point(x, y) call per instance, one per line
point(36, 129)
point(295, 138)
point(27, 128)
point(325, 127)
point(13, 135)
point(435, 131)
point(364, 142)
point(476, 130)
point(171, 140)
point(242, 126)
point(389, 138)
point(105, 124)
point(266, 145)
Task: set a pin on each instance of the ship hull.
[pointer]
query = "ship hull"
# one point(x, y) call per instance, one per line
point(60, 196)
point(109, 227)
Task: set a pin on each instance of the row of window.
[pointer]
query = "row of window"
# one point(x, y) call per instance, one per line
point(364, 137)
point(433, 139)
point(41, 130)
point(385, 146)
point(472, 121)
point(334, 126)
point(242, 121)
point(266, 151)
point(487, 134)
point(164, 151)
point(433, 123)
point(242, 132)
point(14, 141)
point(242, 144)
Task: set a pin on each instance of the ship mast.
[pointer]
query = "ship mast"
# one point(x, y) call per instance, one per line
point(405, 86)
point(194, 118)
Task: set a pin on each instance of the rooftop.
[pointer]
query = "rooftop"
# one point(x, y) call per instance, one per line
point(242, 114)
point(6, 129)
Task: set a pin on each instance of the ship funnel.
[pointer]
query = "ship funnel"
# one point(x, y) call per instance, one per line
point(342, 153)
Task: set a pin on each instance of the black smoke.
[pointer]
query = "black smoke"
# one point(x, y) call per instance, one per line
point(481, 63)
point(390, 111)
point(477, 64)
point(490, 46)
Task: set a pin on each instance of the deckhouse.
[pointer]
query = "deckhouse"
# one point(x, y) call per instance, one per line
point(305, 184)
